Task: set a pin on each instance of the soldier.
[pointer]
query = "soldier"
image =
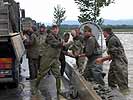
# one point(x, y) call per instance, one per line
point(93, 71)
point(77, 48)
point(118, 72)
point(42, 38)
point(63, 52)
point(50, 51)
point(42, 29)
point(42, 34)
point(31, 44)
point(77, 30)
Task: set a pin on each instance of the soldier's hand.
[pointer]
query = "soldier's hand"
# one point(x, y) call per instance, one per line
point(24, 37)
point(64, 43)
point(99, 61)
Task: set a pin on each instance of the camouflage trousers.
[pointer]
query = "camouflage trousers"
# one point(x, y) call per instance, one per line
point(80, 64)
point(49, 64)
point(118, 74)
point(33, 67)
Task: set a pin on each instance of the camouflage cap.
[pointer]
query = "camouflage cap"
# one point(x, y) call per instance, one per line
point(108, 29)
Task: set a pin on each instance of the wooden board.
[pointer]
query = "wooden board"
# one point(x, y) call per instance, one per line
point(83, 87)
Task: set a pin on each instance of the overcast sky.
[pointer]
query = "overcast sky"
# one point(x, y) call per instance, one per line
point(42, 10)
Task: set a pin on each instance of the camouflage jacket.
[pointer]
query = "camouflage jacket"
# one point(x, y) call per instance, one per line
point(42, 39)
point(91, 46)
point(32, 46)
point(51, 47)
point(77, 46)
point(115, 47)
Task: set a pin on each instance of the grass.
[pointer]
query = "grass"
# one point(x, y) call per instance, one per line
point(122, 30)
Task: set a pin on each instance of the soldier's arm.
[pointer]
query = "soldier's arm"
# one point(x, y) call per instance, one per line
point(113, 47)
point(106, 58)
point(32, 39)
point(70, 54)
point(53, 42)
point(101, 60)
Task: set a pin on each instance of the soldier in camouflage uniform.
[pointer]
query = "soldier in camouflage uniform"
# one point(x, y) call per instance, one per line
point(63, 53)
point(118, 72)
point(50, 52)
point(93, 72)
point(42, 38)
point(42, 34)
point(77, 48)
point(31, 44)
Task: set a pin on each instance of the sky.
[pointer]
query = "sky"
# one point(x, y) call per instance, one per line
point(42, 10)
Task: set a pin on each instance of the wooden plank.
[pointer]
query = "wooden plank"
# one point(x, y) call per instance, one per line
point(83, 87)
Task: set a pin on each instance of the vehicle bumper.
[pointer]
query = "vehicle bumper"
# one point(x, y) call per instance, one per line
point(6, 80)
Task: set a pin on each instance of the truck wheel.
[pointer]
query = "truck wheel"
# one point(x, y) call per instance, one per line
point(15, 85)
point(16, 78)
point(2, 86)
point(12, 85)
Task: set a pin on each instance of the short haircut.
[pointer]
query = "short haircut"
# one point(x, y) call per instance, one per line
point(108, 30)
point(87, 28)
point(54, 26)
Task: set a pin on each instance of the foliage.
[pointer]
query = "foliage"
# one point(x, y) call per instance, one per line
point(59, 15)
point(90, 10)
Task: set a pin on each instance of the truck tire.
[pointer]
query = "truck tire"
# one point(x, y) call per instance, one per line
point(12, 85)
point(16, 78)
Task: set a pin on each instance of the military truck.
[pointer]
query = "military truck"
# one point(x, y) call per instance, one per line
point(11, 44)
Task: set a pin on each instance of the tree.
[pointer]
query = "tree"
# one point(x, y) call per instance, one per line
point(90, 10)
point(59, 15)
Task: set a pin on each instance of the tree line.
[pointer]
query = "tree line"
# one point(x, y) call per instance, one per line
point(89, 11)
